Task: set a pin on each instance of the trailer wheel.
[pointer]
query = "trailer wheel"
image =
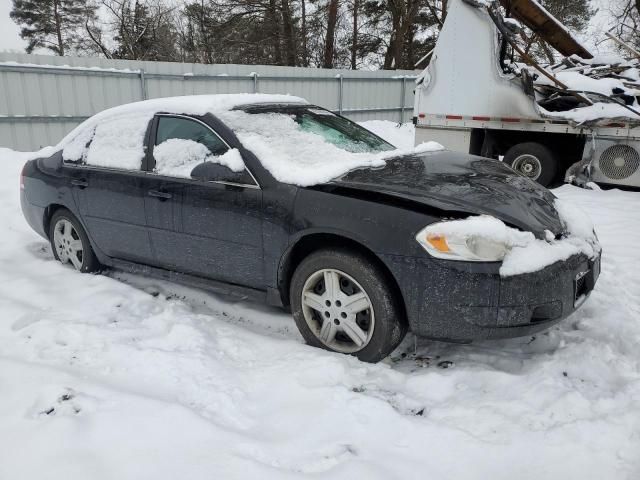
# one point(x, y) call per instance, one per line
point(533, 160)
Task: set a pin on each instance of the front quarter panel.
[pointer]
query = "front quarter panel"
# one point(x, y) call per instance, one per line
point(383, 228)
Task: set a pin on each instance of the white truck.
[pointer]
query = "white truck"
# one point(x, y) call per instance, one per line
point(470, 99)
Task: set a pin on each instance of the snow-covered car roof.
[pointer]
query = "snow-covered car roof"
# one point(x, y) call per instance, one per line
point(188, 105)
point(115, 138)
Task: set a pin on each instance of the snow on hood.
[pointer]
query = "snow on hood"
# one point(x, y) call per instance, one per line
point(525, 253)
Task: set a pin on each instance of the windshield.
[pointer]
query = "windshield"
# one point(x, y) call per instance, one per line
point(336, 130)
point(305, 145)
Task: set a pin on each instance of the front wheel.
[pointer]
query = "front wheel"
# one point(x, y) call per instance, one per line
point(533, 160)
point(70, 243)
point(343, 303)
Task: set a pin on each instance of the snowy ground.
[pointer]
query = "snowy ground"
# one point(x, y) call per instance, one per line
point(121, 377)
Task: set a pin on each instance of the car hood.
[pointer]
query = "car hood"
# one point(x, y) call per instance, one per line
point(461, 183)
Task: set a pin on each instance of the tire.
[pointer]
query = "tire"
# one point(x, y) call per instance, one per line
point(533, 160)
point(62, 243)
point(382, 324)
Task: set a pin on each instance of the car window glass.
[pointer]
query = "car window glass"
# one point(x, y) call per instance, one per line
point(118, 142)
point(339, 132)
point(76, 150)
point(183, 144)
point(185, 129)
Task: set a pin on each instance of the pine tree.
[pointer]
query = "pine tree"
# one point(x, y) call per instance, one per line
point(51, 24)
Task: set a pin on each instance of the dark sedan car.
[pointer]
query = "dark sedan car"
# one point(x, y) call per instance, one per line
point(274, 199)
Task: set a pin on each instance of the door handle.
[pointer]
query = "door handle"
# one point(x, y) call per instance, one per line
point(79, 182)
point(159, 194)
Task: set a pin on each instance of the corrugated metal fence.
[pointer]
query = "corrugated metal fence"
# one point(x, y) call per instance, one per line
point(44, 97)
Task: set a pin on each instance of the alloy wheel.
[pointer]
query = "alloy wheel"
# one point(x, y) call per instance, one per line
point(67, 243)
point(338, 310)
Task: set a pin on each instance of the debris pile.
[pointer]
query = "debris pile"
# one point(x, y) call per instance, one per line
point(588, 90)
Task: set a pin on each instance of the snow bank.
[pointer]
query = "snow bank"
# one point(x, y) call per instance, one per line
point(177, 157)
point(123, 377)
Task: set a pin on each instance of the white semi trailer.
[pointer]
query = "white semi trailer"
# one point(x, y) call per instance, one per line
point(467, 101)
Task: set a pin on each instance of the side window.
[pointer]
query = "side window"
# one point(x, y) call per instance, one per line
point(75, 151)
point(185, 129)
point(186, 148)
point(118, 142)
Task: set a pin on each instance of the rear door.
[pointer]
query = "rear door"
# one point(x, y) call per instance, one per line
point(108, 184)
point(207, 228)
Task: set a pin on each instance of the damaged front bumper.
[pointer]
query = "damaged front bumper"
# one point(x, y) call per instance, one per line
point(465, 301)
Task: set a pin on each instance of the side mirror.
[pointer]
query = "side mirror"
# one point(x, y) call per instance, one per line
point(214, 172)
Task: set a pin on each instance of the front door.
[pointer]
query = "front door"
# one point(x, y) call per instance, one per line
point(207, 228)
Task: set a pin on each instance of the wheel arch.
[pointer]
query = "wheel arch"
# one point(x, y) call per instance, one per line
point(495, 143)
point(48, 215)
point(311, 242)
point(52, 208)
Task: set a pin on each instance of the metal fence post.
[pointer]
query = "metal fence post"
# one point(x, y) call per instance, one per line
point(340, 91)
point(402, 98)
point(255, 82)
point(143, 85)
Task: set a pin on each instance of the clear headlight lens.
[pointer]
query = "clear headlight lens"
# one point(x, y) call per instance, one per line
point(460, 246)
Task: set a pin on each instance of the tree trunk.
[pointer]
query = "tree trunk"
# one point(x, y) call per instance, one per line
point(287, 23)
point(275, 31)
point(354, 42)
point(208, 54)
point(58, 22)
point(331, 32)
point(403, 13)
point(305, 51)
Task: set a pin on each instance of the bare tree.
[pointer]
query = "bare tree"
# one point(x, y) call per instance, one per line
point(332, 18)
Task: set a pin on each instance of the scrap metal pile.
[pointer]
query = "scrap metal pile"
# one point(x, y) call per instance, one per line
point(582, 89)
point(589, 90)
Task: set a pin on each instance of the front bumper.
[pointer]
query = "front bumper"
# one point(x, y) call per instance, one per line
point(464, 301)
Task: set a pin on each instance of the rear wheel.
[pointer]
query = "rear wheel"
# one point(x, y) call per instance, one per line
point(70, 243)
point(533, 160)
point(343, 303)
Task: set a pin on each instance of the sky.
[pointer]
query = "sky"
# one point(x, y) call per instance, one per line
point(9, 31)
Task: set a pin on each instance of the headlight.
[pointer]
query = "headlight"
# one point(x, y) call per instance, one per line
point(462, 240)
